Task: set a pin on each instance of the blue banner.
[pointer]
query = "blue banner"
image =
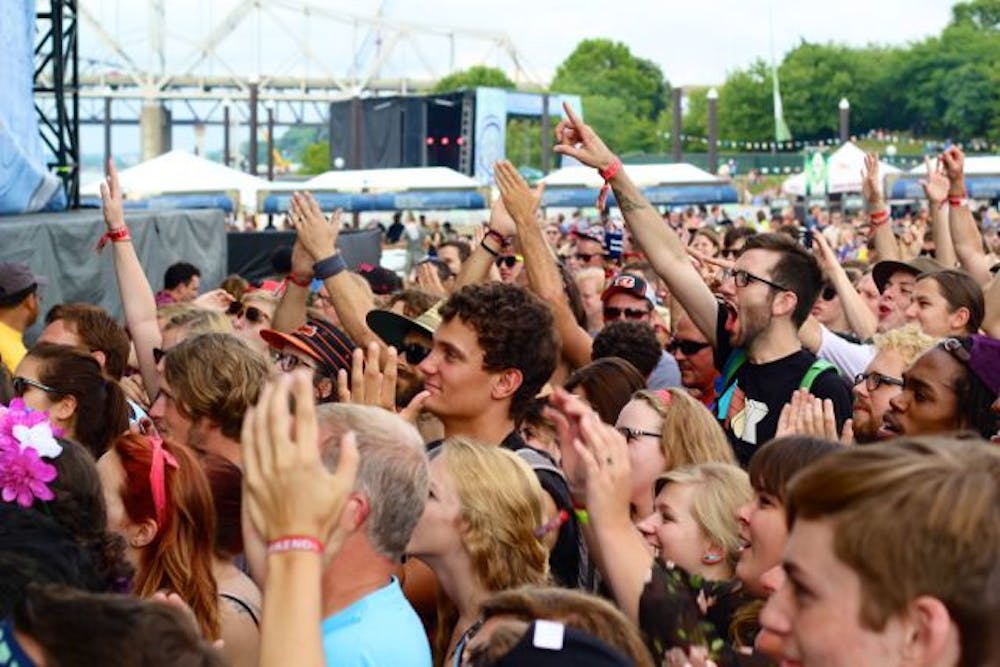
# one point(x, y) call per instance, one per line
point(437, 200)
point(670, 195)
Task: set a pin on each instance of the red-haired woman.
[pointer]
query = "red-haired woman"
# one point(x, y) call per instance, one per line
point(159, 499)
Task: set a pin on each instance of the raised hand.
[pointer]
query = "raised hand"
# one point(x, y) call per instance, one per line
point(579, 141)
point(518, 199)
point(429, 280)
point(500, 222)
point(317, 234)
point(806, 414)
point(217, 299)
point(372, 383)
point(825, 255)
point(603, 451)
point(870, 186)
point(936, 183)
point(287, 488)
point(954, 166)
point(111, 199)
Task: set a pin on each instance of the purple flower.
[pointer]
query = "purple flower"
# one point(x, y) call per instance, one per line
point(23, 477)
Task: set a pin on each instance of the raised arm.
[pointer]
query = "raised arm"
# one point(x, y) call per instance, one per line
point(318, 237)
point(138, 301)
point(886, 244)
point(544, 278)
point(476, 269)
point(936, 186)
point(964, 232)
point(863, 322)
point(661, 245)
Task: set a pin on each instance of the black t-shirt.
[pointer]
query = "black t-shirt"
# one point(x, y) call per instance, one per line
point(763, 389)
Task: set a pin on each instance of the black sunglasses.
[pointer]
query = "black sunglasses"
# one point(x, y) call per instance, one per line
point(251, 313)
point(829, 293)
point(586, 257)
point(506, 260)
point(612, 313)
point(414, 353)
point(874, 380)
point(687, 347)
point(21, 384)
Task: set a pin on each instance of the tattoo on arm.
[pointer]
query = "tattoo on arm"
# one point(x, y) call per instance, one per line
point(627, 204)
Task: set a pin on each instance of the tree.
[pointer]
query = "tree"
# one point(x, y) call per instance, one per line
point(316, 158)
point(608, 69)
point(981, 14)
point(746, 109)
point(475, 76)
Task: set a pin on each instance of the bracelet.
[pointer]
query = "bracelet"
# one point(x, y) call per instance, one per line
point(482, 244)
point(295, 280)
point(582, 517)
point(955, 202)
point(607, 174)
point(878, 218)
point(329, 267)
point(294, 543)
point(497, 235)
point(119, 235)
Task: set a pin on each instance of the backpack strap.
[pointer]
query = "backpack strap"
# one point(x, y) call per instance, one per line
point(736, 359)
point(818, 367)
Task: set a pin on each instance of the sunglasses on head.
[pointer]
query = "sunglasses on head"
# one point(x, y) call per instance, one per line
point(687, 347)
point(612, 313)
point(414, 353)
point(507, 260)
point(251, 313)
point(21, 384)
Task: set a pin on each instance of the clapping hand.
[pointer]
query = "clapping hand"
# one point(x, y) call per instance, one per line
point(373, 383)
point(317, 234)
point(518, 199)
point(806, 414)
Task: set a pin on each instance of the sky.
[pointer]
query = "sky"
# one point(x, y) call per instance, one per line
point(695, 43)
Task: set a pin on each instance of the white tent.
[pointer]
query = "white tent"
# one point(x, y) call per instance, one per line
point(643, 175)
point(844, 169)
point(390, 180)
point(180, 171)
point(979, 165)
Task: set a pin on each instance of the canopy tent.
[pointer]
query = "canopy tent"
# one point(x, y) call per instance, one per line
point(982, 179)
point(843, 173)
point(420, 188)
point(677, 183)
point(180, 172)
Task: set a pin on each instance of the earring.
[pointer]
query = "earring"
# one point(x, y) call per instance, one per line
point(711, 559)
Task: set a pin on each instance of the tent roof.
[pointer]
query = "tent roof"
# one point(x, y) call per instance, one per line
point(643, 175)
point(844, 167)
point(390, 180)
point(977, 165)
point(181, 171)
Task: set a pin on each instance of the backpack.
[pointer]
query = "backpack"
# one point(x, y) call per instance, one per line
point(736, 361)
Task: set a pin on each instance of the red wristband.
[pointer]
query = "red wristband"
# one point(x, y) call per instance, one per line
point(607, 174)
point(301, 282)
point(955, 202)
point(115, 236)
point(294, 543)
point(878, 217)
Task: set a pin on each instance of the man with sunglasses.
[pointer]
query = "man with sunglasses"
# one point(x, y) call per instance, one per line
point(694, 357)
point(316, 345)
point(589, 248)
point(755, 332)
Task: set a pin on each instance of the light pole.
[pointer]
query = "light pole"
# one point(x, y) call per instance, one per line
point(675, 138)
point(845, 119)
point(713, 130)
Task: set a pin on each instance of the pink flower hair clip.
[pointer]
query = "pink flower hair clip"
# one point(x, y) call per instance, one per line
point(26, 437)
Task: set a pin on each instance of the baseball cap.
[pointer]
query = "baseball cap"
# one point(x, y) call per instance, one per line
point(882, 271)
point(392, 328)
point(322, 341)
point(984, 362)
point(627, 283)
point(548, 643)
point(382, 280)
point(592, 233)
point(15, 278)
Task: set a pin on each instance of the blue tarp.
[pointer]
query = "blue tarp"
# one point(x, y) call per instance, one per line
point(25, 182)
point(978, 187)
point(171, 202)
point(657, 195)
point(279, 202)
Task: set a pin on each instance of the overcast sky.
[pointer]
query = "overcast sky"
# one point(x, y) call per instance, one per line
point(694, 42)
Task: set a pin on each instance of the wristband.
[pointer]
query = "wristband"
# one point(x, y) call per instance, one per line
point(329, 267)
point(488, 249)
point(295, 280)
point(497, 235)
point(607, 174)
point(878, 218)
point(119, 235)
point(294, 543)
point(955, 202)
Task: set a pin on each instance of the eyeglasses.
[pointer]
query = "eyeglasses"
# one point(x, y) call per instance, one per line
point(829, 293)
point(251, 313)
point(21, 385)
point(508, 260)
point(954, 347)
point(730, 253)
point(414, 353)
point(287, 362)
point(687, 347)
point(612, 313)
point(743, 279)
point(632, 434)
point(874, 380)
point(585, 257)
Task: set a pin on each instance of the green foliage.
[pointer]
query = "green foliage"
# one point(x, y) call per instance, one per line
point(524, 142)
point(316, 158)
point(746, 111)
point(296, 138)
point(473, 77)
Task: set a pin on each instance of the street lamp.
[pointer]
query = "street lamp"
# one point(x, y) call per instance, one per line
point(713, 130)
point(845, 119)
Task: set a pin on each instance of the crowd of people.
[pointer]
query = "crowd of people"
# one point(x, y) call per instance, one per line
point(665, 439)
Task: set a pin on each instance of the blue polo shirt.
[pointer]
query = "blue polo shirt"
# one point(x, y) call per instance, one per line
point(379, 629)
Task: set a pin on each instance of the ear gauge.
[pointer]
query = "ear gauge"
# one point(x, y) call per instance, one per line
point(711, 559)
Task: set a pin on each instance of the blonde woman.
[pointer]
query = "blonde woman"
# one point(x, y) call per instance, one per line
point(251, 314)
point(479, 534)
point(665, 430)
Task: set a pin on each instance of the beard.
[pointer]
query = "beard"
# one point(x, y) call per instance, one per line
point(753, 321)
point(407, 387)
